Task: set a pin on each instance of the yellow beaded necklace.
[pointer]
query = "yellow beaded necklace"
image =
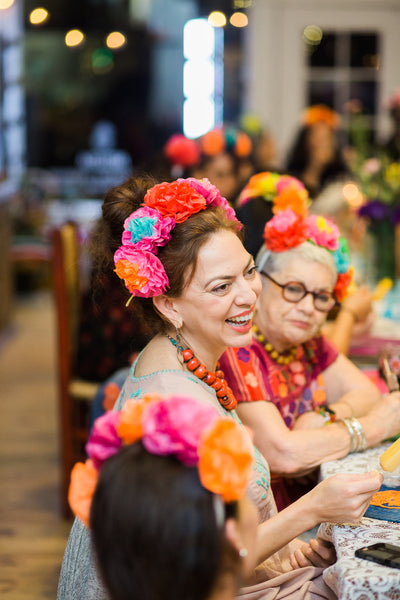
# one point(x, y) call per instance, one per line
point(282, 358)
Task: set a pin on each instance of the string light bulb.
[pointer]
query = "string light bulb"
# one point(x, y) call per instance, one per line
point(239, 19)
point(38, 16)
point(217, 18)
point(74, 37)
point(4, 4)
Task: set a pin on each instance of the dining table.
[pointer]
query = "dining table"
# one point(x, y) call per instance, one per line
point(350, 577)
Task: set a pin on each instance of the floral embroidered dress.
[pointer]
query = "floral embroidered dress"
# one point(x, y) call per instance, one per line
point(272, 579)
point(294, 388)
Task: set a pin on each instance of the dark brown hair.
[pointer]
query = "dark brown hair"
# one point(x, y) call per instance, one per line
point(155, 530)
point(178, 256)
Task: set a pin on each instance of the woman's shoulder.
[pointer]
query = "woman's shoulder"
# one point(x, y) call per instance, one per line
point(168, 382)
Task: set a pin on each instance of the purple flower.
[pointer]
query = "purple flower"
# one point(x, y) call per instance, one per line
point(375, 210)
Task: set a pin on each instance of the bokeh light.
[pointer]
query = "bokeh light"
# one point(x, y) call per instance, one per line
point(115, 39)
point(239, 19)
point(312, 35)
point(4, 4)
point(102, 60)
point(352, 195)
point(74, 37)
point(217, 18)
point(38, 16)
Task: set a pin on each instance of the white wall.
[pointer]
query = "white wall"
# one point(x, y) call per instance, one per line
point(275, 68)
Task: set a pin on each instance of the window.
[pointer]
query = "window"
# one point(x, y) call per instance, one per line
point(343, 66)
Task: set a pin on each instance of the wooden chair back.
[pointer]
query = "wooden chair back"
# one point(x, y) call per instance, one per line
point(75, 395)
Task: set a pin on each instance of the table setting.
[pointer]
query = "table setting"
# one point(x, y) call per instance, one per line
point(354, 578)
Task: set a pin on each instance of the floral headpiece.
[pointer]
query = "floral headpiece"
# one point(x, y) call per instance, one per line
point(176, 426)
point(282, 190)
point(149, 228)
point(288, 229)
point(320, 112)
point(182, 151)
point(220, 139)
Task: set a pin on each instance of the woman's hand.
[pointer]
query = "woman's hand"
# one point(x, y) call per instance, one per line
point(385, 415)
point(344, 498)
point(359, 304)
point(317, 553)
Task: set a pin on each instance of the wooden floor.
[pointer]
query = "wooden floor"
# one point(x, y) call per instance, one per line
point(32, 533)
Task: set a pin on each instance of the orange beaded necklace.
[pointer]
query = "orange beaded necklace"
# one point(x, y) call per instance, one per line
point(215, 380)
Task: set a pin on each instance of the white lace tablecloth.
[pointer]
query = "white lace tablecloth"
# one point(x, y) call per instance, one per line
point(354, 578)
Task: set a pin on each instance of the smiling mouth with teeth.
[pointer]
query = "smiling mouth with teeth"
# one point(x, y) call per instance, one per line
point(240, 320)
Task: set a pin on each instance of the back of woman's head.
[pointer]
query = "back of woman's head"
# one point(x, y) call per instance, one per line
point(155, 530)
point(178, 256)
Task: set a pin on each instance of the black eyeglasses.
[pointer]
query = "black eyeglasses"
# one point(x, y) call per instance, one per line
point(294, 291)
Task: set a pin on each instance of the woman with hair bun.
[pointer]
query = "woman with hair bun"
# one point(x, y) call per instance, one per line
point(195, 469)
point(177, 247)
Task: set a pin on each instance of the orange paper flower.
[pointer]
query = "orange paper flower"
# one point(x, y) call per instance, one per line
point(320, 112)
point(130, 427)
point(225, 459)
point(129, 272)
point(294, 198)
point(243, 145)
point(213, 142)
point(84, 478)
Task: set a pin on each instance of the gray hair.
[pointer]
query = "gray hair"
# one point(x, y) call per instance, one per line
point(271, 262)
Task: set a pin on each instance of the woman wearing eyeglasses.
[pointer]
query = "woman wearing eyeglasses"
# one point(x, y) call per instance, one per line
point(306, 402)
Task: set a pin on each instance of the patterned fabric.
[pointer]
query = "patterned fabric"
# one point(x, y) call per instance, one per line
point(294, 389)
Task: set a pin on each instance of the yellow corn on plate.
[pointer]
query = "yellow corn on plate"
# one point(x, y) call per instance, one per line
point(390, 459)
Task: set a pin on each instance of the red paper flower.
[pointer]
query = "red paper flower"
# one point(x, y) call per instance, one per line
point(342, 284)
point(182, 151)
point(284, 231)
point(177, 199)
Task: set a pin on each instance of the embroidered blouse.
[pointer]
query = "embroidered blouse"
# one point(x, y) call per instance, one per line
point(294, 388)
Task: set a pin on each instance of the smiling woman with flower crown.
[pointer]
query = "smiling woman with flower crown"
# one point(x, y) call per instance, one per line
point(290, 381)
point(187, 269)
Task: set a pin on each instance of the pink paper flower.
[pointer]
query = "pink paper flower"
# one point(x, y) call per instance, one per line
point(286, 181)
point(142, 272)
point(211, 195)
point(323, 232)
point(174, 426)
point(284, 231)
point(104, 440)
point(147, 229)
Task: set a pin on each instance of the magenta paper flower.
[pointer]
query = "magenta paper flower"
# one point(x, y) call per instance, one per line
point(104, 440)
point(174, 426)
point(323, 232)
point(147, 229)
point(286, 181)
point(211, 195)
point(142, 272)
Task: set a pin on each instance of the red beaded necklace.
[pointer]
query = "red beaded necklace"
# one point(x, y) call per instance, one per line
point(214, 380)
